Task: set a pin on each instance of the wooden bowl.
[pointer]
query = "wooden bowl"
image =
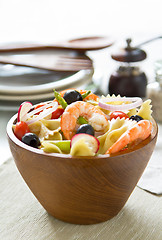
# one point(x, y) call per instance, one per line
point(81, 190)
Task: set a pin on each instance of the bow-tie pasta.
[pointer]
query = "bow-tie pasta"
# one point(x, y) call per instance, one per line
point(47, 129)
point(117, 128)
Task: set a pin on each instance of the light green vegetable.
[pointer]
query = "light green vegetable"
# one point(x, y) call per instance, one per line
point(81, 120)
point(84, 95)
point(60, 99)
point(50, 148)
point(63, 145)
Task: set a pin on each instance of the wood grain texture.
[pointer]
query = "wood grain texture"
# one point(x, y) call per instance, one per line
point(83, 190)
point(79, 45)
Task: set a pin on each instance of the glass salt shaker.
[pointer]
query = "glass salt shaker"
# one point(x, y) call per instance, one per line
point(154, 92)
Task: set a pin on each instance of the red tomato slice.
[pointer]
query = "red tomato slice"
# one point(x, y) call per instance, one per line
point(57, 113)
point(119, 114)
point(38, 106)
point(20, 129)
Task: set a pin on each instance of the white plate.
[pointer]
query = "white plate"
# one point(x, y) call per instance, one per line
point(22, 80)
point(13, 102)
point(74, 81)
point(10, 105)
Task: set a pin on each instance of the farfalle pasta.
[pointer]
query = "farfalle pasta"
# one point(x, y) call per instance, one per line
point(81, 148)
point(47, 129)
point(79, 123)
point(117, 128)
point(145, 110)
point(50, 147)
point(56, 146)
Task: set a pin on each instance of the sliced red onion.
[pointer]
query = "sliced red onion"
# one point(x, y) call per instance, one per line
point(48, 110)
point(135, 102)
point(46, 105)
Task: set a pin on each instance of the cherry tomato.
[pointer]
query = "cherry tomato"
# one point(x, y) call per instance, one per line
point(57, 113)
point(38, 106)
point(20, 129)
point(119, 114)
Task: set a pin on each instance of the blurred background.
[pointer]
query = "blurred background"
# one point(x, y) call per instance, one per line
point(47, 21)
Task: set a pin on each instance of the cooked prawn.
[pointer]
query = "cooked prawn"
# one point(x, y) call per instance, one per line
point(72, 112)
point(91, 96)
point(141, 130)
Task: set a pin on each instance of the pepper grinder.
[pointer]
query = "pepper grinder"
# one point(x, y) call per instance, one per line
point(128, 80)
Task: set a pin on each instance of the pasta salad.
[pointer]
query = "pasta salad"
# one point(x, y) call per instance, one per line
point(80, 123)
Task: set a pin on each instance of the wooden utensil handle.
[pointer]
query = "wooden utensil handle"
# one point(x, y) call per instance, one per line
point(31, 47)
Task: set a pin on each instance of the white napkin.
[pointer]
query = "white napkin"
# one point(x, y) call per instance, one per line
point(151, 179)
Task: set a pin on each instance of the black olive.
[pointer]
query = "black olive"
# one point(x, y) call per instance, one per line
point(72, 96)
point(31, 139)
point(137, 118)
point(86, 128)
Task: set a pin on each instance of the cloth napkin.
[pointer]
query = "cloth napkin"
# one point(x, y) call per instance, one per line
point(151, 179)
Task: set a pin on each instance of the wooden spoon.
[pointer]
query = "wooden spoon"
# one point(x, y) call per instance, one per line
point(79, 44)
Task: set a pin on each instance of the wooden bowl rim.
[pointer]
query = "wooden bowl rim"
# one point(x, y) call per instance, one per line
point(15, 140)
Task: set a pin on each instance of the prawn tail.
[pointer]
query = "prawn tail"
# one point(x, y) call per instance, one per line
point(147, 127)
point(140, 130)
point(120, 143)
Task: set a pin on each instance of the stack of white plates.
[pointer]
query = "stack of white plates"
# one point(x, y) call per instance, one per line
point(18, 84)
